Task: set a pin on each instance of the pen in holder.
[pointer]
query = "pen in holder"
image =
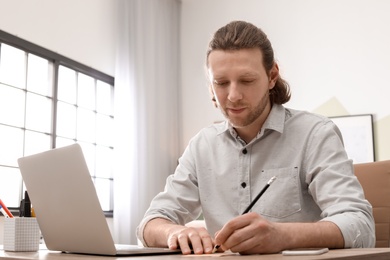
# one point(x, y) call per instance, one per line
point(21, 234)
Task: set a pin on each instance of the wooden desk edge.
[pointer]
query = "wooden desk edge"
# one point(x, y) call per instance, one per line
point(345, 254)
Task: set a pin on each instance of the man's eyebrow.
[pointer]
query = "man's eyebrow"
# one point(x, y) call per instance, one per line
point(250, 74)
point(216, 78)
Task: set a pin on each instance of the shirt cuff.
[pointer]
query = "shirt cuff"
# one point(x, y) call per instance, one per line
point(355, 234)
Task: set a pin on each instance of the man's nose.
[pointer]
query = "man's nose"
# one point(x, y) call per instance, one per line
point(235, 93)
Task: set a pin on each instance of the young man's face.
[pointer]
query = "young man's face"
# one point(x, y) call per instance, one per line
point(241, 85)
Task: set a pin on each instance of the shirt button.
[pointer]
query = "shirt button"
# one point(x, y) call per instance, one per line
point(243, 185)
point(245, 151)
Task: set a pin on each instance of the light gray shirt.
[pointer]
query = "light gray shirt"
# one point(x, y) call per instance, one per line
point(219, 175)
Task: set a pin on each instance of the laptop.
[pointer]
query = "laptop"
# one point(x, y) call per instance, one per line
point(67, 207)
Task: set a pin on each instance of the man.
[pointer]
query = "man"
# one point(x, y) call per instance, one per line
point(315, 201)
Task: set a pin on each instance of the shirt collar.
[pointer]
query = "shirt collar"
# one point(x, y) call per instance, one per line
point(275, 119)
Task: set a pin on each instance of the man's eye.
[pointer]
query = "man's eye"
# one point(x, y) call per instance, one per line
point(221, 83)
point(247, 81)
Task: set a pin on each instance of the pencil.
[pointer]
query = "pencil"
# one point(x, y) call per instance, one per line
point(252, 203)
point(259, 195)
point(8, 213)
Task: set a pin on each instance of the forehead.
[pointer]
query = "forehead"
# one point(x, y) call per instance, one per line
point(244, 60)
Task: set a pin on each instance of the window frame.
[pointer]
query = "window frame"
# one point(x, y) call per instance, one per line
point(57, 61)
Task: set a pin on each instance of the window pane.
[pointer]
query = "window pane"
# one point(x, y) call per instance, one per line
point(10, 193)
point(12, 106)
point(11, 148)
point(38, 79)
point(84, 114)
point(104, 100)
point(104, 128)
point(89, 151)
point(86, 125)
point(61, 142)
point(104, 162)
point(36, 143)
point(66, 120)
point(86, 91)
point(103, 189)
point(12, 66)
point(67, 85)
point(38, 113)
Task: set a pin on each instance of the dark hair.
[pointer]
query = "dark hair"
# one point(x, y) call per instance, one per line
point(238, 35)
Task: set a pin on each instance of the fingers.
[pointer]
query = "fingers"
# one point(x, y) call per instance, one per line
point(196, 238)
point(201, 241)
point(233, 226)
point(241, 244)
point(184, 243)
point(239, 240)
point(242, 233)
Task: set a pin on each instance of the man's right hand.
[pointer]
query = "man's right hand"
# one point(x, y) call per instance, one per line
point(196, 239)
point(186, 238)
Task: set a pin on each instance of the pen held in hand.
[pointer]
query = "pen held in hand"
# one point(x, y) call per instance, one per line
point(216, 247)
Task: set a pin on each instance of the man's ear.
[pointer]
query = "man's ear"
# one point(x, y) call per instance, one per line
point(273, 75)
point(212, 95)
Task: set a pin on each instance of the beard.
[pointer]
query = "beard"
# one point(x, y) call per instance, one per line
point(253, 115)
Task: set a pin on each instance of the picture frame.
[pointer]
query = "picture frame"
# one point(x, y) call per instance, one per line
point(358, 136)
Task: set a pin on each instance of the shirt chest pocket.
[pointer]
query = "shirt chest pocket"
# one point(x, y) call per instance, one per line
point(282, 199)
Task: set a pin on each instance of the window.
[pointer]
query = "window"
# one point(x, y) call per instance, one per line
point(49, 101)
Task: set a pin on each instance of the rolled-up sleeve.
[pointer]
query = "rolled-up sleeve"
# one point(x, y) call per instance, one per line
point(336, 189)
point(356, 229)
point(179, 202)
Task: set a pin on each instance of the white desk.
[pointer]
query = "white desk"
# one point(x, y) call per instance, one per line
point(353, 254)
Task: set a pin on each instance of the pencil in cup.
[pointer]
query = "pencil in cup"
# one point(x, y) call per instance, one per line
point(5, 210)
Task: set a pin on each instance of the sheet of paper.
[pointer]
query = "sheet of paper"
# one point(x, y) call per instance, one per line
point(213, 255)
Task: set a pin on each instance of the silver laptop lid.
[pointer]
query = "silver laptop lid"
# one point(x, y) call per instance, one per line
point(65, 202)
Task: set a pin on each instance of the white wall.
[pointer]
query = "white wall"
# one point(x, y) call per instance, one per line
point(81, 30)
point(330, 51)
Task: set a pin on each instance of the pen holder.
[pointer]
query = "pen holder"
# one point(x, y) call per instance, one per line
point(21, 234)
